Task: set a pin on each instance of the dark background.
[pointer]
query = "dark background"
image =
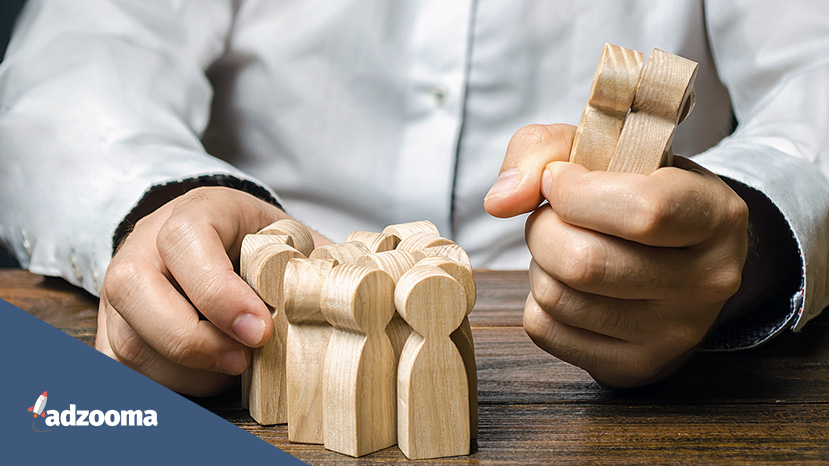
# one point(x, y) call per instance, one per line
point(9, 10)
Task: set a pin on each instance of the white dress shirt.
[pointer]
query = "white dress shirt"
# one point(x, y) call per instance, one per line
point(358, 114)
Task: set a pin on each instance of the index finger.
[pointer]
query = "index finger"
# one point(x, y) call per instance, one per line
point(193, 244)
point(671, 207)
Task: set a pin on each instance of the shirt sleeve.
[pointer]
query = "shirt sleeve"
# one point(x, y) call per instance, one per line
point(777, 70)
point(99, 102)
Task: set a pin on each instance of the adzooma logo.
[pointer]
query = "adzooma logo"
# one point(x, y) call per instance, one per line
point(96, 417)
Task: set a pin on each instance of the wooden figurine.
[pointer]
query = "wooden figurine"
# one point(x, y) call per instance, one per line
point(375, 242)
point(250, 243)
point(307, 342)
point(404, 230)
point(301, 236)
point(433, 398)
point(395, 263)
point(665, 95)
point(342, 253)
point(359, 396)
point(422, 240)
point(452, 251)
point(265, 380)
point(462, 337)
point(611, 94)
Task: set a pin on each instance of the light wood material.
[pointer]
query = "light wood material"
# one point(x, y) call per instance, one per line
point(359, 395)
point(452, 251)
point(404, 230)
point(375, 242)
point(433, 399)
point(395, 263)
point(264, 268)
point(611, 94)
point(301, 236)
point(664, 95)
point(422, 240)
point(342, 253)
point(250, 243)
point(266, 377)
point(307, 343)
point(462, 337)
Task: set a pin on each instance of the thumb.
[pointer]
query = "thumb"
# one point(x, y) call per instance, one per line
point(518, 187)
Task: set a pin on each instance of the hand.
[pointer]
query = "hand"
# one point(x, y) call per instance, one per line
point(629, 271)
point(179, 260)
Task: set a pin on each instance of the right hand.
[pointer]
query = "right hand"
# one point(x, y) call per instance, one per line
point(177, 262)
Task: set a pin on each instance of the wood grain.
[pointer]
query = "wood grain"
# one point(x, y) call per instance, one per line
point(404, 230)
point(663, 97)
point(300, 236)
point(359, 396)
point(263, 384)
point(375, 242)
point(307, 344)
point(432, 388)
point(611, 94)
point(762, 406)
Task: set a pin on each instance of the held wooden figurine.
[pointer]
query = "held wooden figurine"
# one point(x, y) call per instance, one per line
point(632, 111)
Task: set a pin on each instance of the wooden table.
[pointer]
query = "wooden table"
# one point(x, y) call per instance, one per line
point(764, 406)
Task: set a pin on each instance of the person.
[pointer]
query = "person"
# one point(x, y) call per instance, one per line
point(166, 131)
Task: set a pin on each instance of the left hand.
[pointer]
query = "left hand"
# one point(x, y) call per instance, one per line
point(629, 271)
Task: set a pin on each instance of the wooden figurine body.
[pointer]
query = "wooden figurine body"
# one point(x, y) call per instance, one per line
point(422, 240)
point(404, 230)
point(359, 395)
point(611, 94)
point(462, 337)
point(307, 343)
point(375, 242)
point(300, 236)
point(452, 251)
point(341, 253)
point(395, 263)
point(433, 404)
point(264, 381)
point(664, 97)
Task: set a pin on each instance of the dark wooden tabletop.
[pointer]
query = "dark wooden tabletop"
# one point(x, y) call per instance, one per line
point(769, 405)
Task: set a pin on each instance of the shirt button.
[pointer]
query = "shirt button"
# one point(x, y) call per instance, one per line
point(96, 280)
point(27, 244)
point(74, 266)
point(439, 95)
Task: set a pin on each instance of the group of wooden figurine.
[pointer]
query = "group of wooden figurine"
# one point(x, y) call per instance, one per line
point(372, 346)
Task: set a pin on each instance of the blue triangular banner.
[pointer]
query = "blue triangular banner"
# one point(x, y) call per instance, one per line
point(38, 358)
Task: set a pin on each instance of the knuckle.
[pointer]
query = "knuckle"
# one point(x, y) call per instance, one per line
point(183, 348)
point(651, 215)
point(176, 232)
point(582, 263)
point(549, 293)
point(120, 281)
point(725, 282)
point(737, 212)
point(128, 346)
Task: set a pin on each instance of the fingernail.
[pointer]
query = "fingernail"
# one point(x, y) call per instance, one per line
point(249, 329)
point(232, 362)
point(506, 183)
point(546, 182)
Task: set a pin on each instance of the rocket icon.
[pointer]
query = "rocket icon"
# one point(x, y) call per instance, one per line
point(40, 404)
